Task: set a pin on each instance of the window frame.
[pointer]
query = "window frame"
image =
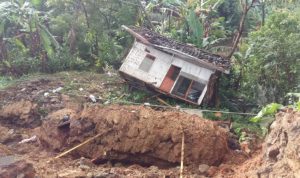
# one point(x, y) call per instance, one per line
point(144, 64)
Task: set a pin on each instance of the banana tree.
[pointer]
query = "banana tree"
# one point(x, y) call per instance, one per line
point(187, 18)
point(21, 21)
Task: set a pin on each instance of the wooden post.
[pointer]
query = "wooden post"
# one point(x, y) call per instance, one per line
point(182, 155)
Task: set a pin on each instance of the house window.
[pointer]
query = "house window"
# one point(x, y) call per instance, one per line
point(195, 91)
point(147, 63)
point(182, 86)
point(188, 89)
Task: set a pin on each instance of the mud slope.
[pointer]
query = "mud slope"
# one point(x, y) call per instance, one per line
point(280, 153)
point(135, 135)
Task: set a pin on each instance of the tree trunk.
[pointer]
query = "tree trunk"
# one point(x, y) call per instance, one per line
point(246, 8)
point(3, 51)
point(263, 6)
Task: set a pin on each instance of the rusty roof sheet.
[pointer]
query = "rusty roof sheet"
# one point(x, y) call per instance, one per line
point(159, 40)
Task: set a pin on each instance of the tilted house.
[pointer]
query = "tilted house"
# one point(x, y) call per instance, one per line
point(170, 67)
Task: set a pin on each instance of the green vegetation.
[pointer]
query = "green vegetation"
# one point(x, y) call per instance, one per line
point(48, 36)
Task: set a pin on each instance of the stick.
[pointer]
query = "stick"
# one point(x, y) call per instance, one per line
point(182, 156)
point(78, 146)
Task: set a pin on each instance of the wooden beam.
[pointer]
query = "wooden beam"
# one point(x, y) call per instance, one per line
point(136, 35)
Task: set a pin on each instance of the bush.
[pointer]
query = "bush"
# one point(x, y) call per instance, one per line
point(63, 60)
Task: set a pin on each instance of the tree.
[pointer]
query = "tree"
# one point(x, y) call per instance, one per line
point(24, 26)
point(272, 69)
point(246, 7)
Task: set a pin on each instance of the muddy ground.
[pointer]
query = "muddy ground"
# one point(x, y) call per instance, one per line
point(44, 116)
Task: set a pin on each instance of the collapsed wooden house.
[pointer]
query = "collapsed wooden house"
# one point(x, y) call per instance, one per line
point(172, 68)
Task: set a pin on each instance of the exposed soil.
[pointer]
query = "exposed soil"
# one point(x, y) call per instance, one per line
point(134, 141)
point(279, 156)
point(137, 134)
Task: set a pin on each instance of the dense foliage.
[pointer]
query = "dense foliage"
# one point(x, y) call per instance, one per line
point(57, 35)
point(272, 66)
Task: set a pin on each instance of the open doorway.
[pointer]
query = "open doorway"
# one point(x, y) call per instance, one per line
point(170, 79)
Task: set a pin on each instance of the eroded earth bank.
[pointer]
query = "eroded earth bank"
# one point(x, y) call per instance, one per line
point(129, 141)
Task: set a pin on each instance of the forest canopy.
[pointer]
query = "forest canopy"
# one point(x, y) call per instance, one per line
point(260, 37)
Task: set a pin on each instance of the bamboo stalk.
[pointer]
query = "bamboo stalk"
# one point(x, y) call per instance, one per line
point(182, 156)
point(78, 146)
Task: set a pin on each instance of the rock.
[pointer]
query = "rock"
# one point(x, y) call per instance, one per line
point(93, 98)
point(101, 174)
point(245, 147)
point(90, 175)
point(57, 89)
point(85, 164)
point(31, 139)
point(212, 171)
point(154, 168)
point(203, 168)
point(71, 173)
point(84, 167)
point(11, 167)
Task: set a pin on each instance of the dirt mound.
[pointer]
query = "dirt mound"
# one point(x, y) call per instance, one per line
point(279, 156)
point(282, 147)
point(22, 113)
point(136, 135)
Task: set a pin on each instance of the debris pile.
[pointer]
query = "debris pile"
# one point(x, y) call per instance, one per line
point(132, 134)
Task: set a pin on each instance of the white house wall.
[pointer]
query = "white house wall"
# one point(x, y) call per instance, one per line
point(199, 73)
point(160, 66)
point(158, 70)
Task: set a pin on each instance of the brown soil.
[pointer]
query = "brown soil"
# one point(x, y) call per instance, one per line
point(138, 135)
point(135, 141)
point(279, 156)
